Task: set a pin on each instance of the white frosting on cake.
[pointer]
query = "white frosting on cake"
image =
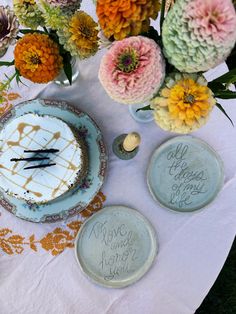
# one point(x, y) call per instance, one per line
point(33, 132)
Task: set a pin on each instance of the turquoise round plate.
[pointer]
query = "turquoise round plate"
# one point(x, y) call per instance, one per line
point(79, 198)
point(185, 174)
point(116, 246)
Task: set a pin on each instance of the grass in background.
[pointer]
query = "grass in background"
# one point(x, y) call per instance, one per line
point(222, 297)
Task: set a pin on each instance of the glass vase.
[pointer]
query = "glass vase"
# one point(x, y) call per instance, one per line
point(62, 79)
point(141, 116)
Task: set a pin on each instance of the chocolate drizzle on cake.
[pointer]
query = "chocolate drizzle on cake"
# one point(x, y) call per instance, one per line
point(30, 159)
point(37, 151)
point(41, 151)
point(40, 166)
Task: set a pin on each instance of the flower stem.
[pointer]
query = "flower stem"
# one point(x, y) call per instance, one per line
point(163, 6)
point(6, 85)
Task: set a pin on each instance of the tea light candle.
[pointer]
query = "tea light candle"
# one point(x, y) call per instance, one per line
point(131, 141)
point(126, 146)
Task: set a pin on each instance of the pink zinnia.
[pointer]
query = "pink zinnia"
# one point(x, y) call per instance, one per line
point(213, 20)
point(133, 70)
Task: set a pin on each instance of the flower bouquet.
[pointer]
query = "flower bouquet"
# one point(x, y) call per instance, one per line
point(166, 67)
point(54, 33)
point(162, 65)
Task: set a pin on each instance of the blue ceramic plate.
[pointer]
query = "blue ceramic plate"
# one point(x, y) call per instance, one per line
point(116, 246)
point(185, 174)
point(79, 198)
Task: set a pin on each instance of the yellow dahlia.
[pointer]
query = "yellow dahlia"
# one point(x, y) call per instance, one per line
point(37, 58)
point(183, 104)
point(80, 36)
point(122, 18)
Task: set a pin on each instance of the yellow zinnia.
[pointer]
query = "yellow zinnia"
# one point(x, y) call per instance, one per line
point(79, 37)
point(183, 104)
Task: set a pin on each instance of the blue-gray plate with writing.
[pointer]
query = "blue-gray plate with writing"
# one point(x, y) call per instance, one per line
point(116, 246)
point(185, 174)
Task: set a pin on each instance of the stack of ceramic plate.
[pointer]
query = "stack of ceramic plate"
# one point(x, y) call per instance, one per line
point(81, 195)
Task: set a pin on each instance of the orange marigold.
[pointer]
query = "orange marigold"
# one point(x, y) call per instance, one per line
point(122, 18)
point(37, 58)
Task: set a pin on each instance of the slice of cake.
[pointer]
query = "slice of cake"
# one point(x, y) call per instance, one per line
point(41, 158)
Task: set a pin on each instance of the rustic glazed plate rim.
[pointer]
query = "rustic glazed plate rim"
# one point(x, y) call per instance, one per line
point(148, 263)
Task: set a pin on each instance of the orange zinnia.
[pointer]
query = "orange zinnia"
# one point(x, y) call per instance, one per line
point(122, 18)
point(37, 58)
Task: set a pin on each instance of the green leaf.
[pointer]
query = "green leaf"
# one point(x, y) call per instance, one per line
point(170, 68)
point(64, 53)
point(153, 34)
point(18, 79)
point(6, 63)
point(68, 72)
point(67, 66)
point(163, 7)
point(53, 35)
point(227, 78)
point(6, 85)
point(216, 86)
point(225, 94)
point(45, 29)
point(28, 31)
point(148, 107)
point(224, 112)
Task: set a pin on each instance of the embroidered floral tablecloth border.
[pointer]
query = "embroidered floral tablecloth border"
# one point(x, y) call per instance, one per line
point(6, 98)
point(54, 242)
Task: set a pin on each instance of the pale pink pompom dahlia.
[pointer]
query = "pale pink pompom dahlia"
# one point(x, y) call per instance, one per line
point(132, 70)
point(199, 34)
point(214, 20)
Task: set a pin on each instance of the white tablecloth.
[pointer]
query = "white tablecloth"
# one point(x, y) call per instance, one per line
point(192, 247)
